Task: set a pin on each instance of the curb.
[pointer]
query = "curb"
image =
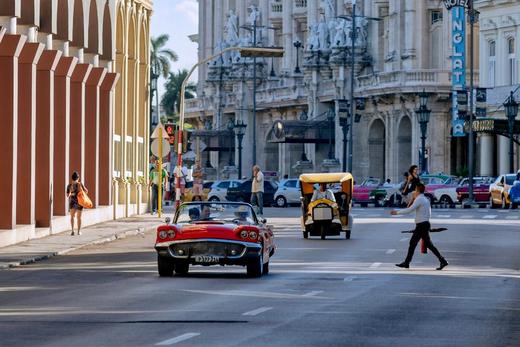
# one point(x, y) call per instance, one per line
point(99, 241)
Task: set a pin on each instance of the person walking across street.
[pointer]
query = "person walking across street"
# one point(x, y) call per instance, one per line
point(155, 180)
point(422, 208)
point(257, 190)
point(75, 209)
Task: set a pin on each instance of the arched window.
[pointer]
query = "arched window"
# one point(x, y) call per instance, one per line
point(511, 61)
point(491, 63)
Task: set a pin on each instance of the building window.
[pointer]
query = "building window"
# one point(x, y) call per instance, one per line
point(511, 62)
point(117, 155)
point(436, 16)
point(491, 63)
point(129, 156)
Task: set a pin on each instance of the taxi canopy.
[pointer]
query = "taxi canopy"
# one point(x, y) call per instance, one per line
point(344, 178)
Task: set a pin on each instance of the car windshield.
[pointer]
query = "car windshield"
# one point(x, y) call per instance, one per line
point(217, 212)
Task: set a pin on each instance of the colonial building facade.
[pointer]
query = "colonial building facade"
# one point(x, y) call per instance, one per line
point(74, 76)
point(401, 48)
point(499, 63)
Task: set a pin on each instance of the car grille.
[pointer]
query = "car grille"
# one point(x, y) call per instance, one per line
point(219, 249)
point(322, 213)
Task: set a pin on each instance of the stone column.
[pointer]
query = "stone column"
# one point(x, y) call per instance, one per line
point(486, 155)
point(287, 33)
point(312, 12)
point(105, 138)
point(45, 136)
point(62, 77)
point(409, 43)
point(77, 118)
point(503, 155)
point(10, 48)
point(26, 173)
point(218, 17)
point(92, 96)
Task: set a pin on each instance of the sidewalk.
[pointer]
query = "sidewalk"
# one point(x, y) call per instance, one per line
point(63, 243)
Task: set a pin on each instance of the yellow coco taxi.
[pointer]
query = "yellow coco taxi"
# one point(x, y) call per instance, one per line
point(321, 215)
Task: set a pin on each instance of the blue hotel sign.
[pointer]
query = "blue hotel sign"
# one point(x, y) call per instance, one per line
point(458, 58)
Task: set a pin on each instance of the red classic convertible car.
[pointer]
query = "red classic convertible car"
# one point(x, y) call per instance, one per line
point(214, 233)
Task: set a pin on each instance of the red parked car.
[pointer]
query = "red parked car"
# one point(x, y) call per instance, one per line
point(361, 194)
point(480, 189)
point(214, 233)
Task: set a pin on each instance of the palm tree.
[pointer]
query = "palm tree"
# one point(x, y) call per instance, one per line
point(160, 59)
point(171, 97)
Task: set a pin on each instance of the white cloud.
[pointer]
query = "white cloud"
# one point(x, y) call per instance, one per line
point(189, 8)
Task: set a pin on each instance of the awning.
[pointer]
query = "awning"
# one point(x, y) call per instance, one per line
point(300, 131)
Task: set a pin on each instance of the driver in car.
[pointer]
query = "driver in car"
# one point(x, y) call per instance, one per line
point(323, 193)
point(241, 215)
point(205, 213)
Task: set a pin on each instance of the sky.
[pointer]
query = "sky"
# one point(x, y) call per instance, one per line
point(177, 18)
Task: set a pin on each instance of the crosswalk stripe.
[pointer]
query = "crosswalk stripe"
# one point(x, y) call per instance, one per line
point(490, 216)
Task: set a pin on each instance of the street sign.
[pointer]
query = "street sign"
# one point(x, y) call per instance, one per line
point(449, 4)
point(154, 147)
point(458, 127)
point(158, 133)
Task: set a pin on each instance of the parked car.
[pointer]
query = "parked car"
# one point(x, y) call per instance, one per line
point(288, 193)
point(480, 189)
point(219, 189)
point(386, 195)
point(242, 193)
point(222, 233)
point(434, 182)
point(499, 191)
point(361, 194)
point(514, 194)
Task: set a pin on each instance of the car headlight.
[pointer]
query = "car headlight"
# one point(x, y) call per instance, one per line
point(243, 234)
point(163, 234)
point(253, 235)
point(171, 234)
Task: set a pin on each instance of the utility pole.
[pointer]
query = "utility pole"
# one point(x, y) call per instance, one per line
point(352, 101)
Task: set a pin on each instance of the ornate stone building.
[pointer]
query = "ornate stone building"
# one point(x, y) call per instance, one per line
point(74, 77)
point(401, 47)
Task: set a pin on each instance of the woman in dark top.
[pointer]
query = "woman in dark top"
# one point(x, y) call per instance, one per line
point(413, 180)
point(74, 207)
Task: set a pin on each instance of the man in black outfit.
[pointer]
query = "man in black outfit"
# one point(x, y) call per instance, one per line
point(422, 208)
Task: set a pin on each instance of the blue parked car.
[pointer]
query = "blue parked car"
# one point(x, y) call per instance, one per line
point(514, 194)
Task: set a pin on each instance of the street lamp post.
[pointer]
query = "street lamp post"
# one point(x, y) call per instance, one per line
point(345, 125)
point(240, 130)
point(473, 18)
point(511, 108)
point(423, 117)
point(330, 118)
point(297, 44)
point(230, 127)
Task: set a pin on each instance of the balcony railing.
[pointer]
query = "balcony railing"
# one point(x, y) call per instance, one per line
point(300, 3)
point(276, 7)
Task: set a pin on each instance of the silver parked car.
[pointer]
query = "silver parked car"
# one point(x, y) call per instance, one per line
point(288, 192)
point(219, 189)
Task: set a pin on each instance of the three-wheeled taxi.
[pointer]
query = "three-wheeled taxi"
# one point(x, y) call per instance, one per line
point(324, 217)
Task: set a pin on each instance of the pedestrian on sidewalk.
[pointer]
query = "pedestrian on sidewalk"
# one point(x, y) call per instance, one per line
point(157, 176)
point(422, 208)
point(411, 183)
point(75, 208)
point(198, 180)
point(257, 190)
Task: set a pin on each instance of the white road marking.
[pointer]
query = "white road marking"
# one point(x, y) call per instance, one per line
point(390, 251)
point(490, 216)
point(512, 217)
point(257, 311)
point(255, 294)
point(313, 293)
point(404, 239)
point(177, 339)
point(375, 265)
point(466, 216)
point(443, 215)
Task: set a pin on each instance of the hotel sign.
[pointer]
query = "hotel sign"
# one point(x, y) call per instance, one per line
point(458, 61)
point(456, 3)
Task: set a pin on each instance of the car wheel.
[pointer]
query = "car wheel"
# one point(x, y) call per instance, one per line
point(281, 201)
point(182, 268)
point(492, 203)
point(165, 266)
point(213, 199)
point(445, 200)
point(305, 234)
point(255, 268)
point(265, 269)
point(514, 205)
point(505, 205)
point(380, 201)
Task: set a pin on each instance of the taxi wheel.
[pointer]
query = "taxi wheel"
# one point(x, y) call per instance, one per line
point(305, 234)
point(281, 201)
point(182, 268)
point(255, 268)
point(165, 266)
point(347, 235)
point(492, 203)
point(505, 205)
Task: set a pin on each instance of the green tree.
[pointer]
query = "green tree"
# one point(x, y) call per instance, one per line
point(171, 97)
point(160, 60)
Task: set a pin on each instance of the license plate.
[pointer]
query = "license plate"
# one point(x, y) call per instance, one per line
point(207, 259)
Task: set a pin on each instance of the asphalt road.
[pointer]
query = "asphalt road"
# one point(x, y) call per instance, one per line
point(333, 292)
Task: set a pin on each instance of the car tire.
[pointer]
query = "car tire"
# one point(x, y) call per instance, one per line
point(255, 268)
point(213, 199)
point(514, 205)
point(281, 201)
point(379, 201)
point(305, 234)
point(265, 269)
point(182, 268)
point(445, 201)
point(491, 203)
point(347, 234)
point(505, 205)
point(165, 266)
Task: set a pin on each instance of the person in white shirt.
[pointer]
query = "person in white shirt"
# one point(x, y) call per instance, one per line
point(257, 190)
point(422, 208)
point(323, 193)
